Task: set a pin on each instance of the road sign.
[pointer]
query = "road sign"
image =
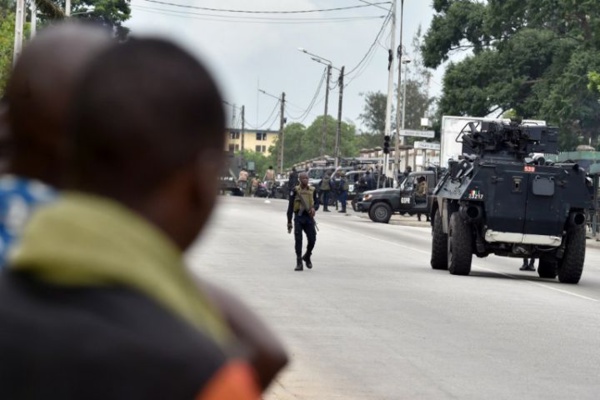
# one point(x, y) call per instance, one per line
point(409, 132)
point(427, 146)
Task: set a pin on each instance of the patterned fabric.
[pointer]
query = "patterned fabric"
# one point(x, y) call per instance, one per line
point(19, 197)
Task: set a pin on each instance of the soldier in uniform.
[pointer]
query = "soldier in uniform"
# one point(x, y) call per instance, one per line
point(344, 187)
point(325, 186)
point(302, 205)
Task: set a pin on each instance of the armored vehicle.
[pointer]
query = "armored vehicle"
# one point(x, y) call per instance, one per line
point(381, 204)
point(495, 199)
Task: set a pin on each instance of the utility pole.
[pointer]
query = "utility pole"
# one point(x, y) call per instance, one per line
point(338, 136)
point(19, 30)
point(281, 126)
point(33, 18)
point(399, 139)
point(243, 126)
point(324, 139)
point(390, 96)
point(68, 8)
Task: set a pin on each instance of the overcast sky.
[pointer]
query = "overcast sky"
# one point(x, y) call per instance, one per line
point(248, 51)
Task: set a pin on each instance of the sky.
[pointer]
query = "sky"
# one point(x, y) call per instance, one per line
point(253, 52)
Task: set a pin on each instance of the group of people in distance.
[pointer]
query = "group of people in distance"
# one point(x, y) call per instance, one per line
point(110, 153)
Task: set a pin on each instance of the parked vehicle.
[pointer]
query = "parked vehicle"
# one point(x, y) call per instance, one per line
point(381, 204)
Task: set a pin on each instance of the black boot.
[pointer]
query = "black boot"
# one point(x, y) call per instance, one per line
point(298, 264)
point(306, 259)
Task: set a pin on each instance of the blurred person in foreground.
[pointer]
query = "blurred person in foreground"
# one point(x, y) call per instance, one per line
point(96, 302)
point(33, 118)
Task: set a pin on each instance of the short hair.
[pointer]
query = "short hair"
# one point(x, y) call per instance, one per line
point(143, 109)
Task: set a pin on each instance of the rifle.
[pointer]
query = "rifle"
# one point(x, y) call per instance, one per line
point(306, 208)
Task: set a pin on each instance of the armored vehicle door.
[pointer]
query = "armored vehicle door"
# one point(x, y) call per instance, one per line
point(520, 199)
point(504, 189)
point(545, 213)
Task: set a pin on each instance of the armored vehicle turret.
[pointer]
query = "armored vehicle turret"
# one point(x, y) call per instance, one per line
point(501, 197)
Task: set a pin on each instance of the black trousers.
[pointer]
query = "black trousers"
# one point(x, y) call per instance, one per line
point(304, 223)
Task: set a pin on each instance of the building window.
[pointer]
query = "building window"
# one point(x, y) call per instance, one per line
point(261, 135)
point(261, 149)
point(231, 148)
point(237, 147)
point(234, 135)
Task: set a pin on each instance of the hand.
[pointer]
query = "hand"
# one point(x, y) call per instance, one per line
point(311, 212)
point(289, 227)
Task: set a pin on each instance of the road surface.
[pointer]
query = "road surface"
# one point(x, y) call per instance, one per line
point(372, 320)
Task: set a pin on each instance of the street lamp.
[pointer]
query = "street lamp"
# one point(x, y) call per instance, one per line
point(328, 63)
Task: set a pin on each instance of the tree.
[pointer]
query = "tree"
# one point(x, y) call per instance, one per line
point(109, 13)
point(304, 143)
point(418, 102)
point(532, 56)
point(373, 116)
point(260, 160)
point(7, 32)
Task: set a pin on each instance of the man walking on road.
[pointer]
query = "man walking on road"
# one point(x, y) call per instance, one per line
point(303, 204)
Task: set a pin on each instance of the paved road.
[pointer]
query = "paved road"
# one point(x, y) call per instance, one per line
point(372, 320)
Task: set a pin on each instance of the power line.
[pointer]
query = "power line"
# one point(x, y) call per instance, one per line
point(224, 10)
point(252, 20)
point(383, 26)
point(270, 116)
point(314, 99)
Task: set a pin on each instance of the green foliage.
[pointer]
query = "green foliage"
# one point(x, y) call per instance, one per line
point(110, 13)
point(418, 102)
point(594, 81)
point(373, 115)
point(7, 39)
point(303, 143)
point(261, 161)
point(531, 56)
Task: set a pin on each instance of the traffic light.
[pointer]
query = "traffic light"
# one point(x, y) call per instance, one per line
point(386, 144)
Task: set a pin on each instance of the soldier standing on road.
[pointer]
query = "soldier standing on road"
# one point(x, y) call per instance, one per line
point(343, 196)
point(325, 186)
point(421, 194)
point(302, 205)
point(269, 178)
point(243, 180)
point(293, 179)
point(528, 266)
point(370, 181)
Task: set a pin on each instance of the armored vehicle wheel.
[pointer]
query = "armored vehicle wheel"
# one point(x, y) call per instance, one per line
point(571, 265)
point(547, 269)
point(439, 244)
point(460, 252)
point(380, 212)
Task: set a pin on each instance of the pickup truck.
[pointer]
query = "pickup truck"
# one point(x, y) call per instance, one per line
point(381, 204)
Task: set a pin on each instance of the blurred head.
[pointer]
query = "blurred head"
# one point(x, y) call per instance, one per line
point(39, 92)
point(303, 177)
point(160, 152)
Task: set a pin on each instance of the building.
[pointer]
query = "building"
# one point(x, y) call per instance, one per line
point(251, 139)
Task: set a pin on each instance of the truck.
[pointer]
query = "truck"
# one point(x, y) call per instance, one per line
point(500, 196)
point(381, 204)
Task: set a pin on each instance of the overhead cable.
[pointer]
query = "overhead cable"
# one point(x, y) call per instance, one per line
point(224, 10)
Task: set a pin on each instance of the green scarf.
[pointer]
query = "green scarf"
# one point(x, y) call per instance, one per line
point(83, 240)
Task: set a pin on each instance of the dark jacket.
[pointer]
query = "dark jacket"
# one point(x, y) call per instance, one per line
point(97, 343)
